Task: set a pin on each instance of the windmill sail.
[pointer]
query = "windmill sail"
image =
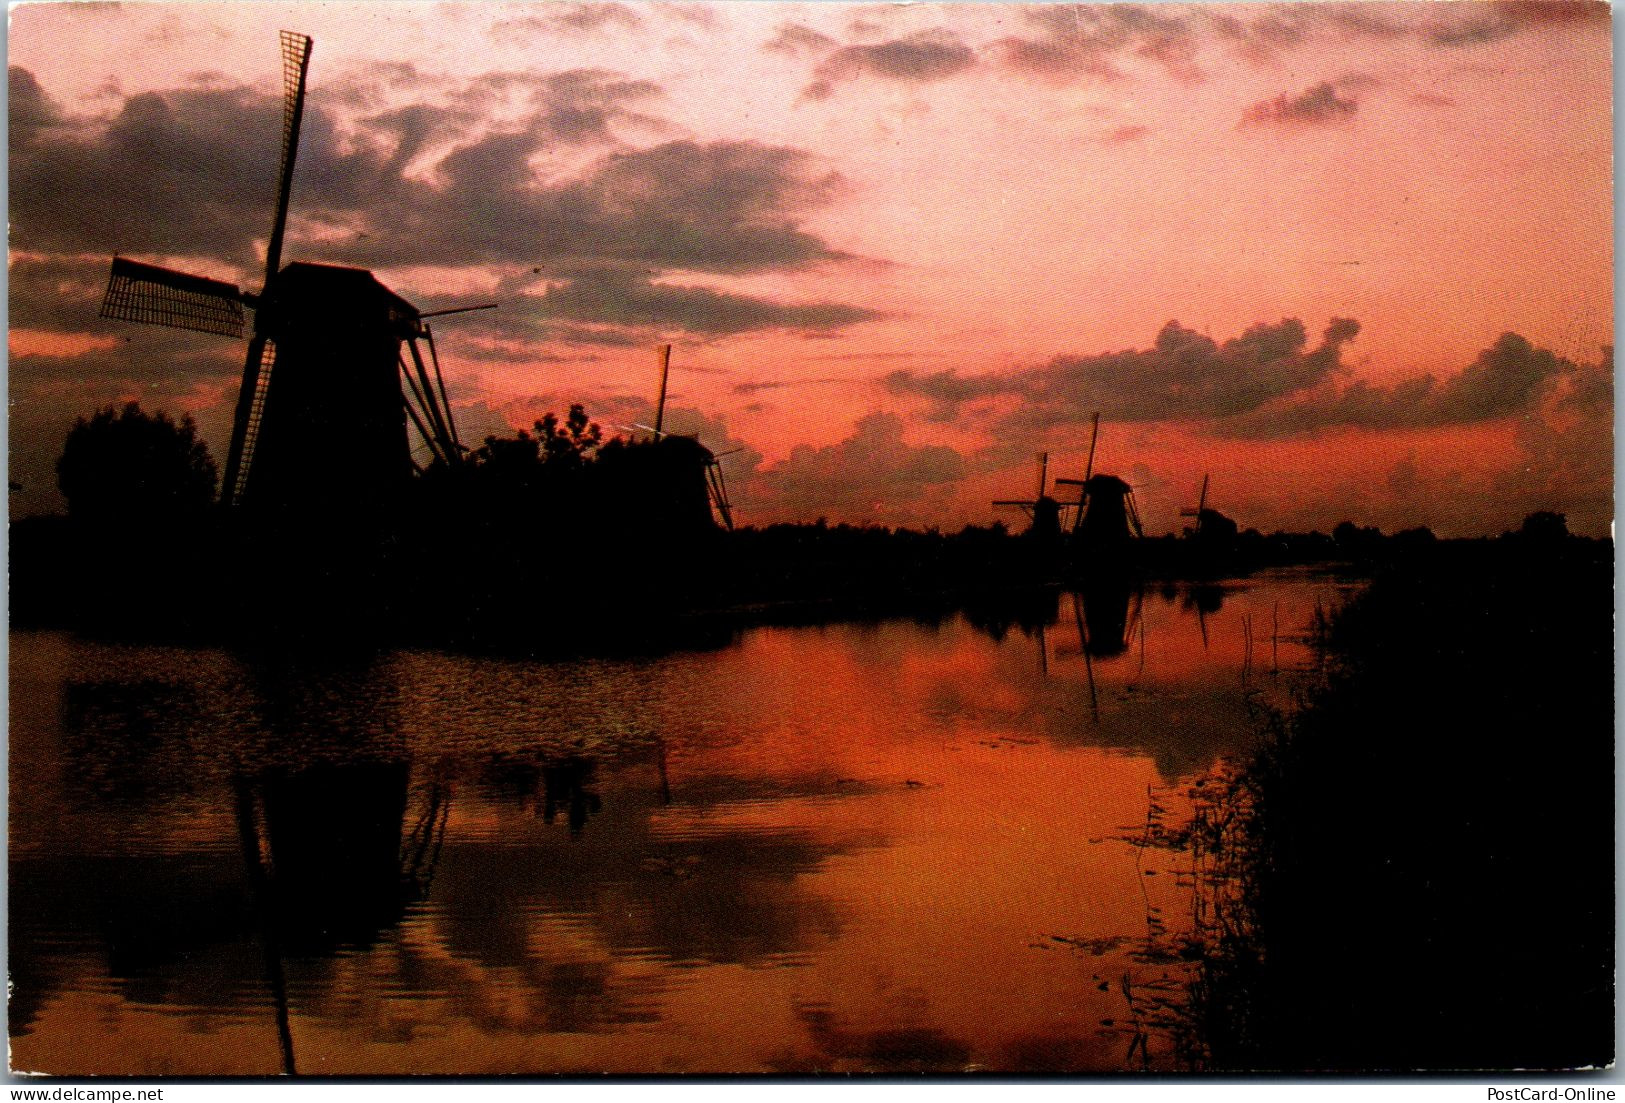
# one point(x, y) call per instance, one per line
point(157, 296)
point(295, 65)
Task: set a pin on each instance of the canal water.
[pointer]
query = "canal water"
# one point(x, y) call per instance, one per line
point(900, 846)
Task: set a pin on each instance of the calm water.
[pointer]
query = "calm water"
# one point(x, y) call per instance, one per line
point(886, 847)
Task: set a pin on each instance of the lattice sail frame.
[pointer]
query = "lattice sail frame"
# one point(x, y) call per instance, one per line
point(295, 56)
point(157, 296)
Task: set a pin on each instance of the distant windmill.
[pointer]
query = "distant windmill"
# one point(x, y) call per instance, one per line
point(1201, 508)
point(321, 412)
point(1106, 517)
point(1044, 510)
point(1083, 483)
point(716, 489)
point(1214, 533)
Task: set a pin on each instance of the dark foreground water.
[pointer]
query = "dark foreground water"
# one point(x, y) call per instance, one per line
point(890, 847)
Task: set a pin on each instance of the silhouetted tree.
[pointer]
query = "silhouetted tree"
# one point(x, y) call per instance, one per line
point(572, 444)
point(1544, 526)
point(516, 455)
point(127, 464)
point(1353, 540)
point(566, 447)
point(1414, 539)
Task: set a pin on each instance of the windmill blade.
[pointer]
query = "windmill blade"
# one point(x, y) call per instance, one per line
point(1133, 516)
point(295, 63)
point(719, 493)
point(440, 381)
point(261, 350)
point(245, 425)
point(431, 403)
point(427, 436)
point(423, 413)
point(157, 296)
point(660, 404)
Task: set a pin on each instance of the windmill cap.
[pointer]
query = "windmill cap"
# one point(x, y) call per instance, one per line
point(333, 294)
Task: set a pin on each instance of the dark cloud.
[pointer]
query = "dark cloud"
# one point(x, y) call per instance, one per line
point(1316, 106)
point(170, 362)
point(574, 107)
point(1479, 24)
point(578, 106)
point(873, 470)
point(1082, 41)
point(720, 207)
point(191, 172)
point(949, 390)
point(632, 301)
point(568, 20)
point(796, 39)
point(757, 386)
point(31, 110)
point(57, 294)
point(1071, 42)
point(1185, 375)
point(703, 16)
point(916, 59)
point(1508, 379)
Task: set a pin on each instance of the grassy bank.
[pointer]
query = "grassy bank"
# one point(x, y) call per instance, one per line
point(1416, 868)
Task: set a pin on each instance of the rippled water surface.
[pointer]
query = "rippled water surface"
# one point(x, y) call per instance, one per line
point(882, 847)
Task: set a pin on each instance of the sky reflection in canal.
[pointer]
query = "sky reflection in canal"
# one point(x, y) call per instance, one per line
point(859, 847)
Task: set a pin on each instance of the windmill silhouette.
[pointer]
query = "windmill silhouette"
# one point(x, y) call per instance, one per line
point(716, 489)
point(1199, 513)
point(1082, 504)
point(321, 414)
point(1044, 510)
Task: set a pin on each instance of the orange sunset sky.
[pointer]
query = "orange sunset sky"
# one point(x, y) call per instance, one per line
point(1354, 261)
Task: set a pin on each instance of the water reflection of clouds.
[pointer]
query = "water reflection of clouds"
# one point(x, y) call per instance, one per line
point(540, 933)
point(625, 839)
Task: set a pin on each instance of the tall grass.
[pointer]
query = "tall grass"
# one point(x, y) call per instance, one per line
point(1414, 870)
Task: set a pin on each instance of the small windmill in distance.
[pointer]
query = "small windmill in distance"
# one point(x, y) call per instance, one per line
point(1082, 484)
point(716, 489)
point(1213, 533)
point(1201, 508)
point(1044, 510)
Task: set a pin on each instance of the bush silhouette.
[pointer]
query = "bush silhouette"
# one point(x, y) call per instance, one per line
point(127, 464)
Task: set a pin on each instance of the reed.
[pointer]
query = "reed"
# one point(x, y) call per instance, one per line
point(1414, 869)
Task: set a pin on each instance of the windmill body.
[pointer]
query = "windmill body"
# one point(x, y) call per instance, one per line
point(1109, 522)
point(684, 485)
point(332, 433)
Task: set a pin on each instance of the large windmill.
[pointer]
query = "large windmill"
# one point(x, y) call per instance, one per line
point(327, 390)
